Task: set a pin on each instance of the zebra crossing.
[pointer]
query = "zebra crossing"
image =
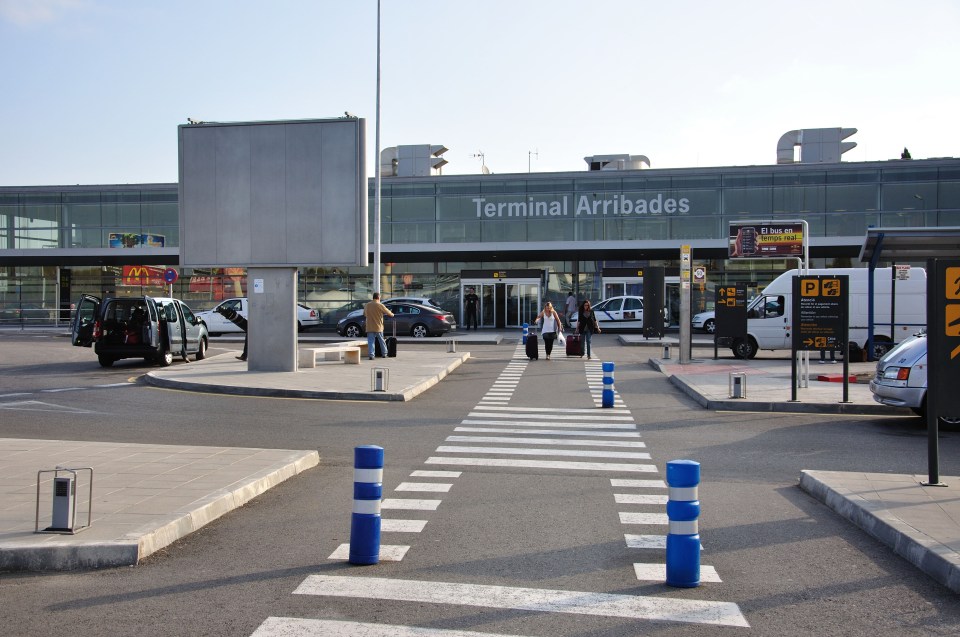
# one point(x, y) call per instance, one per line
point(495, 434)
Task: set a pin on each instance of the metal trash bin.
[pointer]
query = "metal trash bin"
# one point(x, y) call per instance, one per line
point(64, 506)
point(666, 351)
point(379, 379)
point(738, 385)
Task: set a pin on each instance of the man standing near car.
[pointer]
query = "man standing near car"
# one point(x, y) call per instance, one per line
point(373, 312)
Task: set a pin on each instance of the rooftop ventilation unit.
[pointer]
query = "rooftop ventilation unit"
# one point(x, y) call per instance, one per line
point(817, 145)
point(422, 160)
point(617, 162)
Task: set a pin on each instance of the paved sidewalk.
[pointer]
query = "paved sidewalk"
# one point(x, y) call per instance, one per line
point(144, 497)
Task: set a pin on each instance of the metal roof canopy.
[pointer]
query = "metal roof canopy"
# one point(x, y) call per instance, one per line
point(910, 244)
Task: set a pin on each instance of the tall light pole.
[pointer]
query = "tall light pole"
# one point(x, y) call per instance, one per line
point(376, 180)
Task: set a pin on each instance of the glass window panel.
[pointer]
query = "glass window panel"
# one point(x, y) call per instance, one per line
point(404, 190)
point(853, 176)
point(588, 229)
point(855, 197)
point(9, 198)
point(798, 199)
point(909, 196)
point(949, 194)
point(81, 214)
point(549, 185)
point(849, 224)
point(159, 196)
point(81, 197)
point(414, 233)
point(748, 179)
point(120, 214)
point(159, 214)
point(696, 181)
point(458, 187)
point(951, 172)
point(550, 230)
point(84, 238)
point(40, 198)
point(462, 232)
point(452, 208)
point(39, 214)
point(906, 218)
point(503, 230)
point(751, 201)
point(598, 184)
point(498, 186)
point(645, 182)
point(413, 209)
point(909, 174)
point(949, 218)
point(695, 227)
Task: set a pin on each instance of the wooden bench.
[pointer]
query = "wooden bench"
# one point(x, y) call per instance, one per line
point(308, 355)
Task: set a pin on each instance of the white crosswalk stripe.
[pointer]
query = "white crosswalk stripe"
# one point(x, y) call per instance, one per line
point(549, 432)
point(546, 441)
point(295, 626)
point(658, 573)
point(529, 599)
point(543, 464)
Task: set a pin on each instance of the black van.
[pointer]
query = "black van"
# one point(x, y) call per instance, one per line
point(151, 328)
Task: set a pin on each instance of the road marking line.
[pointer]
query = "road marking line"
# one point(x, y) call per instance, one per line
point(402, 526)
point(555, 410)
point(658, 573)
point(37, 405)
point(651, 484)
point(632, 455)
point(549, 432)
point(295, 626)
point(639, 498)
point(530, 599)
point(525, 423)
point(542, 464)
point(546, 441)
point(427, 487)
point(645, 541)
point(410, 504)
point(531, 416)
point(436, 474)
point(634, 517)
point(388, 552)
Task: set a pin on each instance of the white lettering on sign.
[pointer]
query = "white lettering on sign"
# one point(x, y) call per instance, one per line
point(585, 205)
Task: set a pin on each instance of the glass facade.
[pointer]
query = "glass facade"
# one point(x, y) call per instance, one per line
point(474, 222)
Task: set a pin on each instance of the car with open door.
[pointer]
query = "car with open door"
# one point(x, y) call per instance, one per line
point(152, 328)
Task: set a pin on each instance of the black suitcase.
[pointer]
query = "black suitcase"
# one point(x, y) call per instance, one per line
point(391, 346)
point(532, 348)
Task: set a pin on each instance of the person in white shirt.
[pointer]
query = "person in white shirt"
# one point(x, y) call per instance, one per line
point(571, 306)
point(551, 325)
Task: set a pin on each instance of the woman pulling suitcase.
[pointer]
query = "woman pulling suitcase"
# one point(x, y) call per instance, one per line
point(551, 326)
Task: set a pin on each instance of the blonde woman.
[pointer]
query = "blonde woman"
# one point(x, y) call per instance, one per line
point(551, 326)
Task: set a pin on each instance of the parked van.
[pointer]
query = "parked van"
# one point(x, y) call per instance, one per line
point(769, 315)
point(155, 329)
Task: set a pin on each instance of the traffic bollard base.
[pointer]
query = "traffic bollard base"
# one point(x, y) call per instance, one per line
point(683, 561)
point(364, 539)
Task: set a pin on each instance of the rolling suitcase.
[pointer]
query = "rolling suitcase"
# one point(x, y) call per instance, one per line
point(574, 345)
point(392, 342)
point(532, 349)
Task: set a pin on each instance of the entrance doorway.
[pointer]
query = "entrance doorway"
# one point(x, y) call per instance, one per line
point(504, 303)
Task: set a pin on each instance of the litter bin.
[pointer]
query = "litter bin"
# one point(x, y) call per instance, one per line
point(738, 385)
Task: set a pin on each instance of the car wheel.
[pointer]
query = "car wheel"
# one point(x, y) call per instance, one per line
point(420, 330)
point(202, 349)
point(165, 359)
point(106, 361)
point(710, 327)
point(744, 349)
point(880, 348)
point(353, 331)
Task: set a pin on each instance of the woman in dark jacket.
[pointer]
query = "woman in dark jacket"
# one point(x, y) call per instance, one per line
point(587, 326)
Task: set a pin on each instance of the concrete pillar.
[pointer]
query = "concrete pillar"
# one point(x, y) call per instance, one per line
point(272, 331)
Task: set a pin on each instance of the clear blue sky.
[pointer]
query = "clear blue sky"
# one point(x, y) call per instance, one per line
point(93, 90)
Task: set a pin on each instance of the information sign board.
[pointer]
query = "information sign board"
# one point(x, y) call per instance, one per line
point(943, 339)
point(730, 311)
point(820, 312)
point(761, 240)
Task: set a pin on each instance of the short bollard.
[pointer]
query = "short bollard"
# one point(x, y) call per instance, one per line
point(367, 493)
point(666, 351)
point(526, 331)
point(607, 396)
point(683, 511)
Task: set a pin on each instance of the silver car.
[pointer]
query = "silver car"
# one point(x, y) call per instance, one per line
point(901, 377)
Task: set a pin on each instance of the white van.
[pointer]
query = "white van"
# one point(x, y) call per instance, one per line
point(770, 314)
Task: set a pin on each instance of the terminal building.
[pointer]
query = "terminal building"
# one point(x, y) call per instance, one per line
point(517, 239)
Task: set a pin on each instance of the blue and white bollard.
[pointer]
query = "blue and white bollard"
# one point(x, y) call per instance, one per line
point(683, 511)
point(607, 396)
point(526, 331)
point(367, 494)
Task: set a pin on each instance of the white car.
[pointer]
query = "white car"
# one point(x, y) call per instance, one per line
point(217, 324)
point(705, 321)
point(617, 312)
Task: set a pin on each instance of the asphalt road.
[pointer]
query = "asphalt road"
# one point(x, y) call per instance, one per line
point(787, 563)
